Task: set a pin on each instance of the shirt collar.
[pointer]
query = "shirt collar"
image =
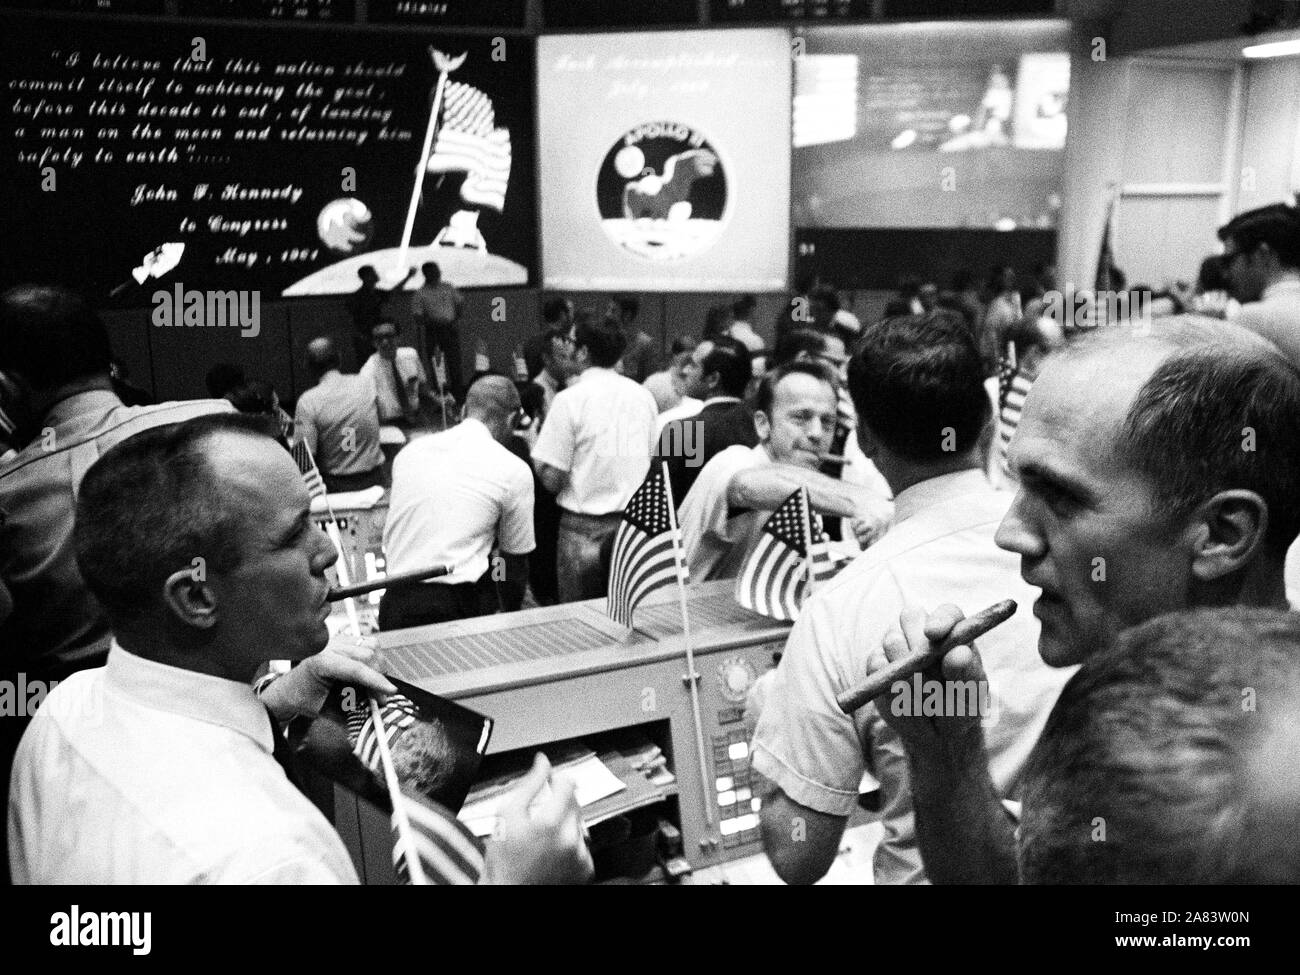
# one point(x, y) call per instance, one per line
point(474, 428)
point(200, 697)
point(721, 399)
point(937, 490)
point(81, 404)
point(594, 372)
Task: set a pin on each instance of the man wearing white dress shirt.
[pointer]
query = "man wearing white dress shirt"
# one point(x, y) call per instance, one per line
point(456, 494)
point(163, 766)
point(397, 375)
point(593, 453)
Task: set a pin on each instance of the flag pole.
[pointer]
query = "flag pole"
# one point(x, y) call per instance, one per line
point(810, 559)
point(414, 870)
point(691, 678)
point(445, 65)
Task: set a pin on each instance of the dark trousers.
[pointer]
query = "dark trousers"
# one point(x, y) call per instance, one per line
point(378, 477)
point(583, 574)
point(447, 338)
point(423, 603)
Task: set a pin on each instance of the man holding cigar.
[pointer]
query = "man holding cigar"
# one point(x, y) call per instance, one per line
point(917, 386)
point(1157, 473)
point(164, 765)
point(736, 492)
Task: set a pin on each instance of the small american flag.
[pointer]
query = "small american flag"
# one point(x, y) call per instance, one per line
point(773, 580)
point(307, 468)
point(468, 141)
point(449, 854)
point(647, 549)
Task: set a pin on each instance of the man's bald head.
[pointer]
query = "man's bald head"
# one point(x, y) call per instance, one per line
point(1158, 471)
point(493, 400)
point(323, 355)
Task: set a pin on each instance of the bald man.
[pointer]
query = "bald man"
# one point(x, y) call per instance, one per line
point(461, 498)
point(338, 419)
point(1157, 473)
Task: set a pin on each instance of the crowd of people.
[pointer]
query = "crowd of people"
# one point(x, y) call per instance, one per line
point(1130, 478)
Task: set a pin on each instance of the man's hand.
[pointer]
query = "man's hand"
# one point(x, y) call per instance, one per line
point(874, 517)
point(345, 660)
point(539, 837)
point(962, 831)
point(917, 631)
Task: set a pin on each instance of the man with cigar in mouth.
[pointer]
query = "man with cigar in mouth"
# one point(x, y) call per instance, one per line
point(1157, 473)
point(917, 385)
point(164, 766)
point(735, 493)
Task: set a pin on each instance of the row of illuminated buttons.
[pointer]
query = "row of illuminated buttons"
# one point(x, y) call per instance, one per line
point(736, 751)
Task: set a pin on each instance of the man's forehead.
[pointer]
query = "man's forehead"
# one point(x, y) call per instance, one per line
point(1078, 404)
point(257, 471)
point(800, 389)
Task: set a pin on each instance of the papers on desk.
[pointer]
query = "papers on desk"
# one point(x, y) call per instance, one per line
point(349, 500)
point(592, 778)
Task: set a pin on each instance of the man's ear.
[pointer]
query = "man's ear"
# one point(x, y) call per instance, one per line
point(867, 441)
point(190, 598)
point(1230, 529)
point(762, 426)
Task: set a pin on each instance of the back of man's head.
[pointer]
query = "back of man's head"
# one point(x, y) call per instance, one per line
point(604, 342)
point(432, 273)
point(918, 386)
point(1220, 412)
point(50, 336)
point(1170, 758)
point(730, 360)
point(222, 378)
point(493, 400)
point(322, 356)
point(805, 342)
point(1277, 225)
point(152, 506)
point(628, 308)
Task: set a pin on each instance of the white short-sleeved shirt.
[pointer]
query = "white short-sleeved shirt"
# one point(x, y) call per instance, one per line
point(601, 432)
point(454, 494)
point(379, 371)
point(142, 773)
point(716, 538)
point(940, 550)
point(338, 418)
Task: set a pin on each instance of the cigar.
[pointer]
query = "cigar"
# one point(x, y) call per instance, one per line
point(361, 588)
point(964, 633)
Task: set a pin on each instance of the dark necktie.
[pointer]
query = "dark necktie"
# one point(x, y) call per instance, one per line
point(402, 402)
point(281, 752)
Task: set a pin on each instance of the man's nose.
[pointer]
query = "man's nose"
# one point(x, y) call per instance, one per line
point(326, 554)
point(1017, 532)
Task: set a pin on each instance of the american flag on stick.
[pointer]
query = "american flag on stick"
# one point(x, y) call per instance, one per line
point(647, 548)
point(774, 578)
point(468, 141)
point(307, 468)
point(448, 852)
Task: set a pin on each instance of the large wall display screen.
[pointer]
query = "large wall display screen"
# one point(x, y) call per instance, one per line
point(283, 160)
point(931, 125)
point(665, 160)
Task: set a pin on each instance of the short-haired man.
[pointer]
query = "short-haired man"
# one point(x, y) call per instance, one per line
point(725, 510)
point(593, 453)
point(917, 384)
point(366, 306)
point(55, 350)
point(641, 353)
point(718, 381)
point(338, 420)
point(1261, 257)
point(161, 766)
point(397, 375)
point(457, 495)
point(1157, 473)
point(668, 385)
point(557, 312)
point(437, 307)
point(1179, 742)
